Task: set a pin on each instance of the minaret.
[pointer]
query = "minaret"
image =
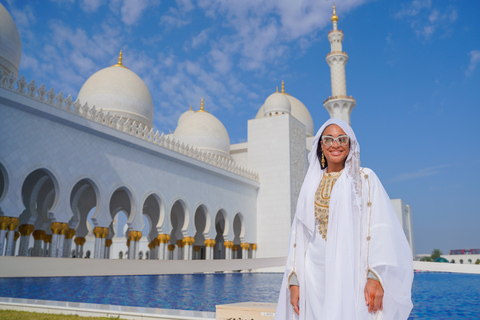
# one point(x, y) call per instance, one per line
point(339, 105)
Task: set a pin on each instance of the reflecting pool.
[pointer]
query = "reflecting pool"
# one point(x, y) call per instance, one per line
point(435, 295)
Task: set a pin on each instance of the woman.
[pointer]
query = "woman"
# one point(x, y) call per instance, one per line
point(348, 256)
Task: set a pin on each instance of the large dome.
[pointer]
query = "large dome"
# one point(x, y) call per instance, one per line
point(10, 44)
point(119, 90)
point(298, 111)
point(204, 131)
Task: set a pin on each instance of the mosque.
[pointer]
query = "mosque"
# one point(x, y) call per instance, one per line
point(70, 168)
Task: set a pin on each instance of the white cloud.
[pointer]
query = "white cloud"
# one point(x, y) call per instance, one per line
point(131, 10)
point(426, 20)
point(220, 61)
point(474, 61)
point(91, 5)
point(200, 39)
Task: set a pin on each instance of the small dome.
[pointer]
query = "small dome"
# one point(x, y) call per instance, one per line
point(298, 111)
point(204, 131)
point(185, 115)
point(10, 44)
point(275, 104)
point(121, 91)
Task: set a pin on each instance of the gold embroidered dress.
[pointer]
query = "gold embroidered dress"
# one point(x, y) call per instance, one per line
point(322, 200)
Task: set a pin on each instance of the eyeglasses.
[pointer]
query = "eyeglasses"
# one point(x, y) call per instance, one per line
point(341, 140)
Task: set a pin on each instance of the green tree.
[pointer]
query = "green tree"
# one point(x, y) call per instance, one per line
point(426, 259)
point(435, 254)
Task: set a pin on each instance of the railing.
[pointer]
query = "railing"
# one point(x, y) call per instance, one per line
point(121, 124)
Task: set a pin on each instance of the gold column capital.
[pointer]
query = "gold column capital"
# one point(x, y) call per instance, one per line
point(163, 238)
point(64, 228)
point(98, 232)
point(245, 245)
point(14, 222)
point(228, 244)
point(56, 227)
point(39, 234)
point(17, 235)
point(180, 243)
point(104, 233)
point(26, 229)
point(4, 223)
point(47, 238)
point(79, 241)
point(108, 242)
point(254, 246)
point(171, 247)
point(128, 243)
point(209, 242)
point(70, 233)
point(197, 248)
point(138, 236)
point(235, 247)
point(131, 236)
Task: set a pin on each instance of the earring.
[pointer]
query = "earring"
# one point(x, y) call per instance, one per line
point(323, 160)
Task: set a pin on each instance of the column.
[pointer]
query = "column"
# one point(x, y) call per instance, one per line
point(47, 245)
point(15, 238)
point(97, 232)
point(79, 242)
point(162, 249)
point(228, 249)
point(196, 255)
point(245, 246)
point(56, 228)
point(61, 240)
point(235, 251)
point(188, 242)
point(67, 246)
point(103, 238)
point(4, 223)
point(108, 244)
point(171, 248)
point(39, 237)
point(209, 244)
point(138, 237)
point(14, 222)
point(180, 247)
point(25, 232)
point(254, 250)
point(131, 244)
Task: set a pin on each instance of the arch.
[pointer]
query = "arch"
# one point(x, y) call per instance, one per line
point(83, 198)
point(3, 182)
point(152, 210)
point(221, 229)
point(238, 234)
point(202, 225)
point(39, 196)
point(178, 220)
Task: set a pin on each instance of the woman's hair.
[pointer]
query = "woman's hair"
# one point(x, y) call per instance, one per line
point(320, 153)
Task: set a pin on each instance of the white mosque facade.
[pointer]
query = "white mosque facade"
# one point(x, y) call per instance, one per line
point(68, 168)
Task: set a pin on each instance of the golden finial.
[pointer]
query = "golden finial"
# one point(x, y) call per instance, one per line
point(283, 87)
point(191, 107)
point(277, 89)
point(201, 107)
point(119, 64)
point(334, 17)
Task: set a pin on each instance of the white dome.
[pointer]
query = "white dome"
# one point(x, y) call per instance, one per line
point(10, 44)
point(120, 91)
point(204, 131)
point(298, 111)
point(185, 115)
point(276, 103)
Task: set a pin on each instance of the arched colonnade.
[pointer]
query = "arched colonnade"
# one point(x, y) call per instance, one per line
point(177, 231)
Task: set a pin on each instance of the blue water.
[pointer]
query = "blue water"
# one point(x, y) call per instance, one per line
point(435, 295)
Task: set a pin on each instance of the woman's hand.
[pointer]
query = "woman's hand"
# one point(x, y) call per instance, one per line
point(294, 297)
point(373, 295)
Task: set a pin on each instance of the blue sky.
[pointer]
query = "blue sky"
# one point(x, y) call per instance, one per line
point(414, 70)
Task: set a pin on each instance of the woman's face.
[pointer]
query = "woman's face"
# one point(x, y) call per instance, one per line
point(335, 154)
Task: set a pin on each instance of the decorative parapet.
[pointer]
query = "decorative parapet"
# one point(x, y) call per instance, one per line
point(339, 97)
point(122, 124)
point(335, 31)
point(337, 52)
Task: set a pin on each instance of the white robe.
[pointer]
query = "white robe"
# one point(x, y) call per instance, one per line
point(353, 218)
